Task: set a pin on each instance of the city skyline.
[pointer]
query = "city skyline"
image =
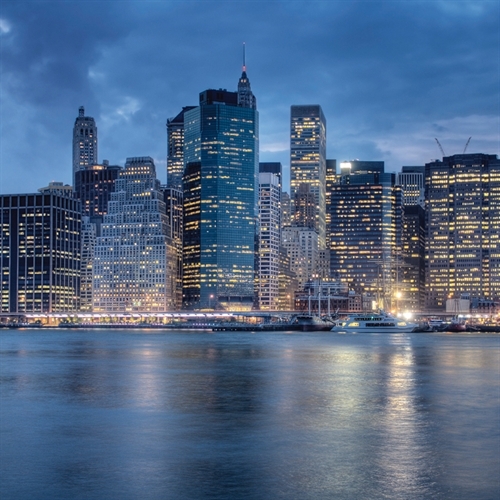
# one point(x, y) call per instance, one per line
point(390, 78)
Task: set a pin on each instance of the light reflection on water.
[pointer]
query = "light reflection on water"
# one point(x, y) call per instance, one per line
point(240, 415)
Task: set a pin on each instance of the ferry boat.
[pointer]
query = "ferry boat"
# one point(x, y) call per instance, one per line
point(373, 322)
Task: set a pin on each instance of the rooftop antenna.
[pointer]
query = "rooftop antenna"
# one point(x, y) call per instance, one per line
point(466, 144)
point(440, 147)
point(244, 62)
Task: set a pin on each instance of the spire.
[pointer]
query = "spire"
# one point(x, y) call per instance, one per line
point(246, 99)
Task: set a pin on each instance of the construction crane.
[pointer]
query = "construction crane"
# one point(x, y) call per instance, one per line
point(440, 147)
point(466, 144)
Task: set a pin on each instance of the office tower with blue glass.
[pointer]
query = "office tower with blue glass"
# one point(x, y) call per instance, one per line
point(220, 199)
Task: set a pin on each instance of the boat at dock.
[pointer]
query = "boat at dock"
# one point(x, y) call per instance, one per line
point(381, 322)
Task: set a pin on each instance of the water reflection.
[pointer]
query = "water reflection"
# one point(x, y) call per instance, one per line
point(115, 414)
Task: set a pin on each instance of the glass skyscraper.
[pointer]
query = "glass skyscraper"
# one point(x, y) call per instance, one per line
point(308, 163)
point(220, 199)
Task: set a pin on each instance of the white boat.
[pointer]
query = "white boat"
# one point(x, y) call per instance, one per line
point(373, 322)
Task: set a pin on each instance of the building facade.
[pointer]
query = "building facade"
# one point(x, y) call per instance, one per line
point(134, 259)
point(462, 194)
point(175, 151)
point(40, 252)
point(366, 231)
point(308, 161)
point(221, 200)
point(269, 241)
point(84, 142)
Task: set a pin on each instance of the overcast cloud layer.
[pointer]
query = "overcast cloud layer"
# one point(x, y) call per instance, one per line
point(390, 76)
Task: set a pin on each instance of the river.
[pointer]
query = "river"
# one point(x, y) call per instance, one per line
point(137, 414)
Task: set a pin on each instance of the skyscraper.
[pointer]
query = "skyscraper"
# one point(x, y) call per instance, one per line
point(366, 228)
point(308, 161)
point(462, 194)
point(220, 199)
point(134, 263)
point(40, 252)
point(175, 155)
point(84, 142)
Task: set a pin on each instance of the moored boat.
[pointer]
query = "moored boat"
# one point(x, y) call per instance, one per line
point(374, 322)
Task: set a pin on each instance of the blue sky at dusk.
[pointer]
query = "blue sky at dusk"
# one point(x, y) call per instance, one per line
point(390, 76)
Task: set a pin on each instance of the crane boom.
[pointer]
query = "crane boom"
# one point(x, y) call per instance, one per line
point(466, 144)
point(440, 147)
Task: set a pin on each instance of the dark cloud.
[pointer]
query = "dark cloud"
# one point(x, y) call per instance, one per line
point(390, 76)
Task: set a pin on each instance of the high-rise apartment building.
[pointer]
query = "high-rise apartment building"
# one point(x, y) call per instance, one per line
point(40, 252)
point(220, 199)
point(308, 162)
point(269, 241)
point(462, 194)
point(84, 142)
point(366, 228)
point(175, 153)
point(134, 263)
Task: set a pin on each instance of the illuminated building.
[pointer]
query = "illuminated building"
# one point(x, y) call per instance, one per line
point(331, 179)
point(88, 240)
point(308, 163)
point(134, 262)
point(84, 142)
point(220, 199)
point(269, 240)
point(302, 246)
point(174, 209)
point(40, 252)
point(365, 232)
point(175, 153)
point(93, 187)
point(462, 194)
point(411, 180)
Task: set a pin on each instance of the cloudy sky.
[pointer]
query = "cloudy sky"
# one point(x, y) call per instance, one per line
point(390, 76)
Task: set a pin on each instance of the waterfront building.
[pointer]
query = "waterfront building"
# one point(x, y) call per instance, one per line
point(84, 142)
point(40, 252)
point(366, 230)
point(302, 246)
point(175, 150)
point(88, 240)
point(134, 262)
point(269, 241)
point(462, 194)
point(308, 162)
point(327, 298)
point(174, 200)
point(288, 282)
point(93, 187)
point(221, 199)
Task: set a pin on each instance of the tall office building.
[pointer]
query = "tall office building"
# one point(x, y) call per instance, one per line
point(84, 142)
point(302, 246)
point(40, 252)
point(220, 199)
point(308, 161)
point(134, 263)
point(462, 194)
point(366, 230)
point(411, 180)
point(175, 152)
point(331, 179)
point(269, 241)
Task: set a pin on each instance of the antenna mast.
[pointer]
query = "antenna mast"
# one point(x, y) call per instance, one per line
point(244, 62)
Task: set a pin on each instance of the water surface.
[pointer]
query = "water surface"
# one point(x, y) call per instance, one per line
point(238, 415)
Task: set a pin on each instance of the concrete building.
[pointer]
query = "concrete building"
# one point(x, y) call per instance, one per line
point(84, 142)
point(134, 263)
